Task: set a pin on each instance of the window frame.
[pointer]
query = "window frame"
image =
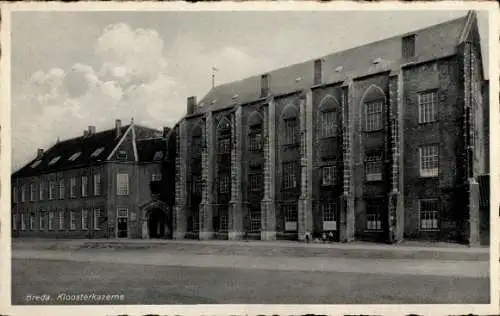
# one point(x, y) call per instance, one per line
point(85, 219)
point(97, 188)
point(424, 103)
point(374, 221)
point(85, 186)
point(122, 189)
point(329, 215)
point(290, 217)
point(72, 220)
point(435, 221)
point(224, 183)
point(51, 220)
point(330, 170)
point(96, 219)
point(289, 170)
point(255, 181)
point(408, 46)
point(32, 192)
point(329, 126)
point(429, 172)
point(290, 131)
point(61, 219)
point(370, 114)
point(62, 189)
point(73, 187)
point(374, 160)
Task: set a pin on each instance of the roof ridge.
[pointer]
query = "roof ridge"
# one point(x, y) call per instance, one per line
point(339, 51)
point(87, 136)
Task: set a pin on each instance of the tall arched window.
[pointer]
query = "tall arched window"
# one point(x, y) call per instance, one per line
point(255, 132)
point(290, 123)
point(329, 114)
point(374, 107)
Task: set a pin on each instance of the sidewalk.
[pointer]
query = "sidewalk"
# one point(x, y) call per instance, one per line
point(406, 250)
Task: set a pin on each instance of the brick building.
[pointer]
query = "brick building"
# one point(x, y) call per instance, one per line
point(382, 142)
point(101, 185)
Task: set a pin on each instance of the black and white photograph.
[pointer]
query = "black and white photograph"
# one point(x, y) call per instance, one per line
point(214, 156)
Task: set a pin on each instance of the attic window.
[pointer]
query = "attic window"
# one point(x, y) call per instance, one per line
point(158, 156)
point(408, 46)
point(235, 96)
point(35, 164)
point(75, 156)
point(298, 79)
point(97, 152)
point(121, 155)
point(201, 104)
point(376, 61)
point(213, 102)
point(54, 160)
point(339, 68)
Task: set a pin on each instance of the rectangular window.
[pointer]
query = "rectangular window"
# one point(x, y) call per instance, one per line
point(429, 161)
point(42, 190)
point(223, 221)
point(121, 155)
point(122, 184)
point(256, 183)
point(85, 185)
point(123, 212)
point(328, 175)
point(61, 189)
point(289, 175)
point(429, 214)
point(14, 194)
point(85, 219)
point(290, 130)
point(33, 192)
point(43, 220)
point(97, 216)
point(329, 127)
point(23, 193)
point(224, 183)
point(72, 220)
point(61, 220)
point(373, 166)
point(427, 107)
point(291, 215)
point(255, 141)
point(51, 220)
point(72, 187)
point(329, 216)
point(255, 220)
point(32, 221)
point(373, 116)
point(52, 190)
point(373, 215)
point(156, 177)
point(224, 146)
point(23, 222)
point(408, 46)
point(195, 221)
point(318, 71)
point(97, 184)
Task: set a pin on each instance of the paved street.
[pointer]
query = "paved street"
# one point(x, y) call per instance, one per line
point(175, 273)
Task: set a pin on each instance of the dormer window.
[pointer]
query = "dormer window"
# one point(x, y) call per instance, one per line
point(75, 156)
point(35, 164)
point(97, 152)
point(408, 46)
point(121, 155)
point(54, 160)
point(158, 155)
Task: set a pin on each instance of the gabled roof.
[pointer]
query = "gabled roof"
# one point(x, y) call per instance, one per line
point(93, 149)
point(433, 42)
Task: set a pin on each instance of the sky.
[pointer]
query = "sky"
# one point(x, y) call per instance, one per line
point(73, 69)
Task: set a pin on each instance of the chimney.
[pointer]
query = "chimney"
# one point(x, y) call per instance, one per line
point(165, 131)
point(91, 130)
point(318, 71)
point(39, 153)
point(85, 133)
point(264, 85)
point(118, 127)
point(191, 104)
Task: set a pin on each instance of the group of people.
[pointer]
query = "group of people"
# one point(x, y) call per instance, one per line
point(324, 237)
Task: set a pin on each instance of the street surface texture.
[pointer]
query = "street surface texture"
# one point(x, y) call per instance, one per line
point(253, 273)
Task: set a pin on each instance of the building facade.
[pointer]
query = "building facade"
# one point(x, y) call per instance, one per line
point(382, 142)
point(100, 185)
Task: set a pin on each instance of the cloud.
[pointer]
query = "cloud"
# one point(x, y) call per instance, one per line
point(129, 79)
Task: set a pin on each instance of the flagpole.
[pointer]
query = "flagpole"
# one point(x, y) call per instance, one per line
point(214, 69)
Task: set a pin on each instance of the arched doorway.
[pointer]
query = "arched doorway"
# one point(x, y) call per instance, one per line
point(156, 223)
point(157, 220)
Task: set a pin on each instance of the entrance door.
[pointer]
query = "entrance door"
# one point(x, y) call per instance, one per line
point(122, 224)
point(156, 223)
